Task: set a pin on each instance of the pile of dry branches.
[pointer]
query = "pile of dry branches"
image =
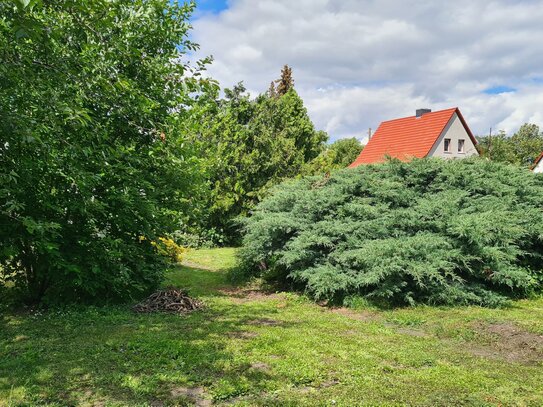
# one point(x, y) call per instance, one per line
point(168, 300)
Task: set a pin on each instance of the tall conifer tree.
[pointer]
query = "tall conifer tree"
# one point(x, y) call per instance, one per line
point(286, 82)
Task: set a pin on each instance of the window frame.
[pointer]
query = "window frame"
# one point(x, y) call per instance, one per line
point(447, 145)
point(461, 146)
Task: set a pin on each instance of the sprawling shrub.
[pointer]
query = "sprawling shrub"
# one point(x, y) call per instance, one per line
point(430, 231)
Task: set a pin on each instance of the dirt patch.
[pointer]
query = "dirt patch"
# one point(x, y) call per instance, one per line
point(260, 366)
point(195, 394)
point(329, 383)
point(170, 300)
point(507, 341)
point(306, 389)
point(324, 385)
point(365, 316)
point(264, 322)
point(413, 332)
point(243, 295)
point(407, 330)
point(87, 399)
point(242, 335)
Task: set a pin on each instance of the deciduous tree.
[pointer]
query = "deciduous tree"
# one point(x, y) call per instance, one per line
point(92, 167)
point(522, 148)
point(340, 154)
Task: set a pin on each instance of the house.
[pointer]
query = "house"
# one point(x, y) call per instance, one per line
point(443, 134)
point(538, 164)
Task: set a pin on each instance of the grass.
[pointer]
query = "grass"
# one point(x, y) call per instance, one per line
point(212, 259)
point(250, 348)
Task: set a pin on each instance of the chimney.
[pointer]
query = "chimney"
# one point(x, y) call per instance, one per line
point(420, 112)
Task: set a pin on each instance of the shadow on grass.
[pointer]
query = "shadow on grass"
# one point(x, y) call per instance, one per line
point(111, 355)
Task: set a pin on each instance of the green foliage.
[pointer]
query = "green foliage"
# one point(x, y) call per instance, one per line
point(527, 143)
point(250, 145)
point(431, 231)
point(522, 148)
point(338, 155)
point(90, 159)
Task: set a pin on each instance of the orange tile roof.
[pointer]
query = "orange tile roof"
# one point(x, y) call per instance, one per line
point(408, 137)
point(537, 161)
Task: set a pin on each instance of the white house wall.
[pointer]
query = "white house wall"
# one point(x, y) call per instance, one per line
point(539, 167)
point(455, 131)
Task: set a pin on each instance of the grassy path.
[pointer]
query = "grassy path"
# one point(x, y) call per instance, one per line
point(251, 348)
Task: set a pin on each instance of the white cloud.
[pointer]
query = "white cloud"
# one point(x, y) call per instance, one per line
point(351, 111)
point(358, 62)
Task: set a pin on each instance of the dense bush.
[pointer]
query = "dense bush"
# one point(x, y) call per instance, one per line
point(337, 155)
point(430, 231)
point(91, 158)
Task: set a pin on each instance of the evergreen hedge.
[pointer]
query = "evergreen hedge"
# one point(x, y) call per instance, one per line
point(429, 231)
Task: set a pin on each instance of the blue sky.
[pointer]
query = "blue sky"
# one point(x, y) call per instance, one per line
point(359, 62)
point(496, 90)
point(210, 6)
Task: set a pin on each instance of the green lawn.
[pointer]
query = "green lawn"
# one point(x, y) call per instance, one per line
point(252, 348)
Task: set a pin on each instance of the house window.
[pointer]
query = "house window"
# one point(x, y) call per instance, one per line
point(460, 146)
point(447, 145)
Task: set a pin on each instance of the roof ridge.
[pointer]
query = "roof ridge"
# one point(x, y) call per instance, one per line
point(537, 160)
point(411, 117)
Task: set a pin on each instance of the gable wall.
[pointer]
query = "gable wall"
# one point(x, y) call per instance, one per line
point(539, 167)
point(455, 131)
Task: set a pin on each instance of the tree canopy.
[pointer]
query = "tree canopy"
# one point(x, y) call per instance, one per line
point(92, 167)
point(338, 155)
point(250, 145)
point(522, 148)
point(285, 82)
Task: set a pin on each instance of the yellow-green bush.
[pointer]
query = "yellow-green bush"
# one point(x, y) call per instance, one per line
point(167, 247)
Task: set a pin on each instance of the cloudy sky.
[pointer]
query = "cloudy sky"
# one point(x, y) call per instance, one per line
point(358, 62)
